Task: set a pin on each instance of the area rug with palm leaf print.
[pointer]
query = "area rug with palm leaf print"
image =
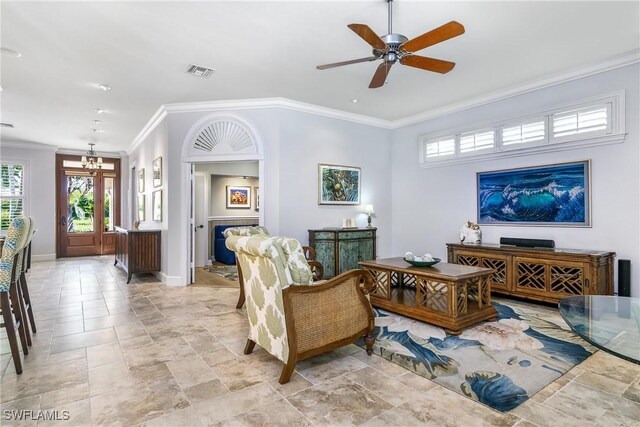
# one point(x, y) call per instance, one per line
point(500, 364)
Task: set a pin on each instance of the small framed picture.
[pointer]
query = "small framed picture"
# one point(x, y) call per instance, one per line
point(256, 195)
point(238, 197)
point(141, 181)
point(157, 172)
point(156, 202)
point(141, 208)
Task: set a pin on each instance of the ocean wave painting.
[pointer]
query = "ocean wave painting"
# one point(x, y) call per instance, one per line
point(542, 195)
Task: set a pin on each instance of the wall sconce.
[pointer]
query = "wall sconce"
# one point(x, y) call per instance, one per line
point(368, 209)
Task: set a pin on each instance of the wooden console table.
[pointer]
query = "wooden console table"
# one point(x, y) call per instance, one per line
point(448, 295)
point(541, 274)
point(340, 249)
point(138, 251)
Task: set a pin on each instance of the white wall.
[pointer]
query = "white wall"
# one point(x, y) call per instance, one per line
point(292, 145)
point(218, 196)
point(155, 145)
point(41, 195)
point(430, 205)
point(307, 140)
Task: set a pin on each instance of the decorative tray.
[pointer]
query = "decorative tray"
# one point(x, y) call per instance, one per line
point(423, 263)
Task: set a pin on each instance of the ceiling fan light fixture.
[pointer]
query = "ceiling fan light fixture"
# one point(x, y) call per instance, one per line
point(393, 47)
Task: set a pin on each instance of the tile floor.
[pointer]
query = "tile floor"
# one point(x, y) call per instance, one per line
point(109, 353)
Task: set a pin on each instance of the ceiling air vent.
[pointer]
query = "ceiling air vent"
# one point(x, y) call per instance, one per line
point(6, 125)
point(199, 71)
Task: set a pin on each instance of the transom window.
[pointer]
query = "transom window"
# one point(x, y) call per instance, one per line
point(599, 120)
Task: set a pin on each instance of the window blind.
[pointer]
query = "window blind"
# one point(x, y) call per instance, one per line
point(477, 141)
point(11, 193)
point(524, 133)
point(439, 148)
point(589, 119)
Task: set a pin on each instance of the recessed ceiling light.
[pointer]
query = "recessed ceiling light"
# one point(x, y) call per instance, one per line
point(10, 52)
point(354, 101)
point(6, 125)
point(96, 130)
point(96, 121)
point(104, 87)
point(98, 110)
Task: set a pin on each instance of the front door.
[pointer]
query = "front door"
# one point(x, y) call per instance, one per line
point(88, 208)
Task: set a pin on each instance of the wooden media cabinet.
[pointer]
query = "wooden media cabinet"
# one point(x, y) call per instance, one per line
point(542, 274)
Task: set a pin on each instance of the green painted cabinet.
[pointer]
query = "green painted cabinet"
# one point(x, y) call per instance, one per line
point(340, 249)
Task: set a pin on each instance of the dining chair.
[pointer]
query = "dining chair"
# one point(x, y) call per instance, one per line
point(10, 301)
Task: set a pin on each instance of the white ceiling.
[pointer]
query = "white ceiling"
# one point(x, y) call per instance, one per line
point(270, 49)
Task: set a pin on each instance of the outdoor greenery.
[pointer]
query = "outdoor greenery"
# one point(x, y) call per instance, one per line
point(80, 197)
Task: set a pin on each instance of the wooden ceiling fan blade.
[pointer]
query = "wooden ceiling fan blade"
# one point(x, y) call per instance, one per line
point(440, 34)
point(340, 64)
point(380, 75)
point(429, 64)
point(368, 35)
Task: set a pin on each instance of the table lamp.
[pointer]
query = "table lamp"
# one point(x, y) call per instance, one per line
point(368, 209)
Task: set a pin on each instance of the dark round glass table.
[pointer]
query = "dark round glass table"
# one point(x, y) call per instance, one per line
point(611, 323)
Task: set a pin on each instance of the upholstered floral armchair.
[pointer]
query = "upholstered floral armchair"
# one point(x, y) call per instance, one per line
point(289, 316)
point(310, 254)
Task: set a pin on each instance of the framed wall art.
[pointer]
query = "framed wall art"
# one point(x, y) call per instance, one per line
point(141, 208)
point(551, 195)
point(238, 197)
point(141, 181)
point(156, 202)
point(157, 172)
point(338, 185)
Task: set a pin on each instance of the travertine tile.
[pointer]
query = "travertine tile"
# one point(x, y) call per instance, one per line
point(103, 355)
point(190, 371)
point(248, 370)
point(338, 402)
point(275, 413)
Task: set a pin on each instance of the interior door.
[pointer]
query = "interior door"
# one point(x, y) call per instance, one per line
point(201, 228)
point(88, 207)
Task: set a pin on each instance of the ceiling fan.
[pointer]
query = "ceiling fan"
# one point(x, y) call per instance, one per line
point(396, 47)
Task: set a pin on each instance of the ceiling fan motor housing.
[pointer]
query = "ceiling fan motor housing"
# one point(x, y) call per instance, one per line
point(393, 41)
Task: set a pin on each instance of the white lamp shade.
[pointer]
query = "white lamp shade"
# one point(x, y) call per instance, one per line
point(369, 209)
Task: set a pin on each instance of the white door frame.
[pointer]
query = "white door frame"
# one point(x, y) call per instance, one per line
point(190, 157)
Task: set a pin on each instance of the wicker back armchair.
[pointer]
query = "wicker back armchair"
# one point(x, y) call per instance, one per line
point(309, 253)
point(289, 316)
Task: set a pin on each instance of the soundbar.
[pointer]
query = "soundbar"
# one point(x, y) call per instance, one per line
point(527, 243)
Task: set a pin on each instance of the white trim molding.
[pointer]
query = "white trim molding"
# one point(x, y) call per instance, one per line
point(613, 63)
point(43, 257)
point(623, 60)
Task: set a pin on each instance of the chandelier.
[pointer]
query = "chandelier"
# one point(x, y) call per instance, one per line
point(91, 162)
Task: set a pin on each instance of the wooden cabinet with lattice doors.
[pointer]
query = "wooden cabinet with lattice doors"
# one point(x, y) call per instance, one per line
point(540, 274)
point(499, 279)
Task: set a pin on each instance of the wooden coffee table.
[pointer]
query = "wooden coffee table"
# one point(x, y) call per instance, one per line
point(452, 296)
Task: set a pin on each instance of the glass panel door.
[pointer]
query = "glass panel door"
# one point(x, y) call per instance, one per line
point(80, 202)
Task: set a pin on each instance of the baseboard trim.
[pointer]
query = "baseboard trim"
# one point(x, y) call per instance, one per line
point(169, 280)
point(43, 257)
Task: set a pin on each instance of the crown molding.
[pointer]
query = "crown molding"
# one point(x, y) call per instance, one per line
point(286, 103)
point(28, 145)
point(613, 63)
point(155, 120)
